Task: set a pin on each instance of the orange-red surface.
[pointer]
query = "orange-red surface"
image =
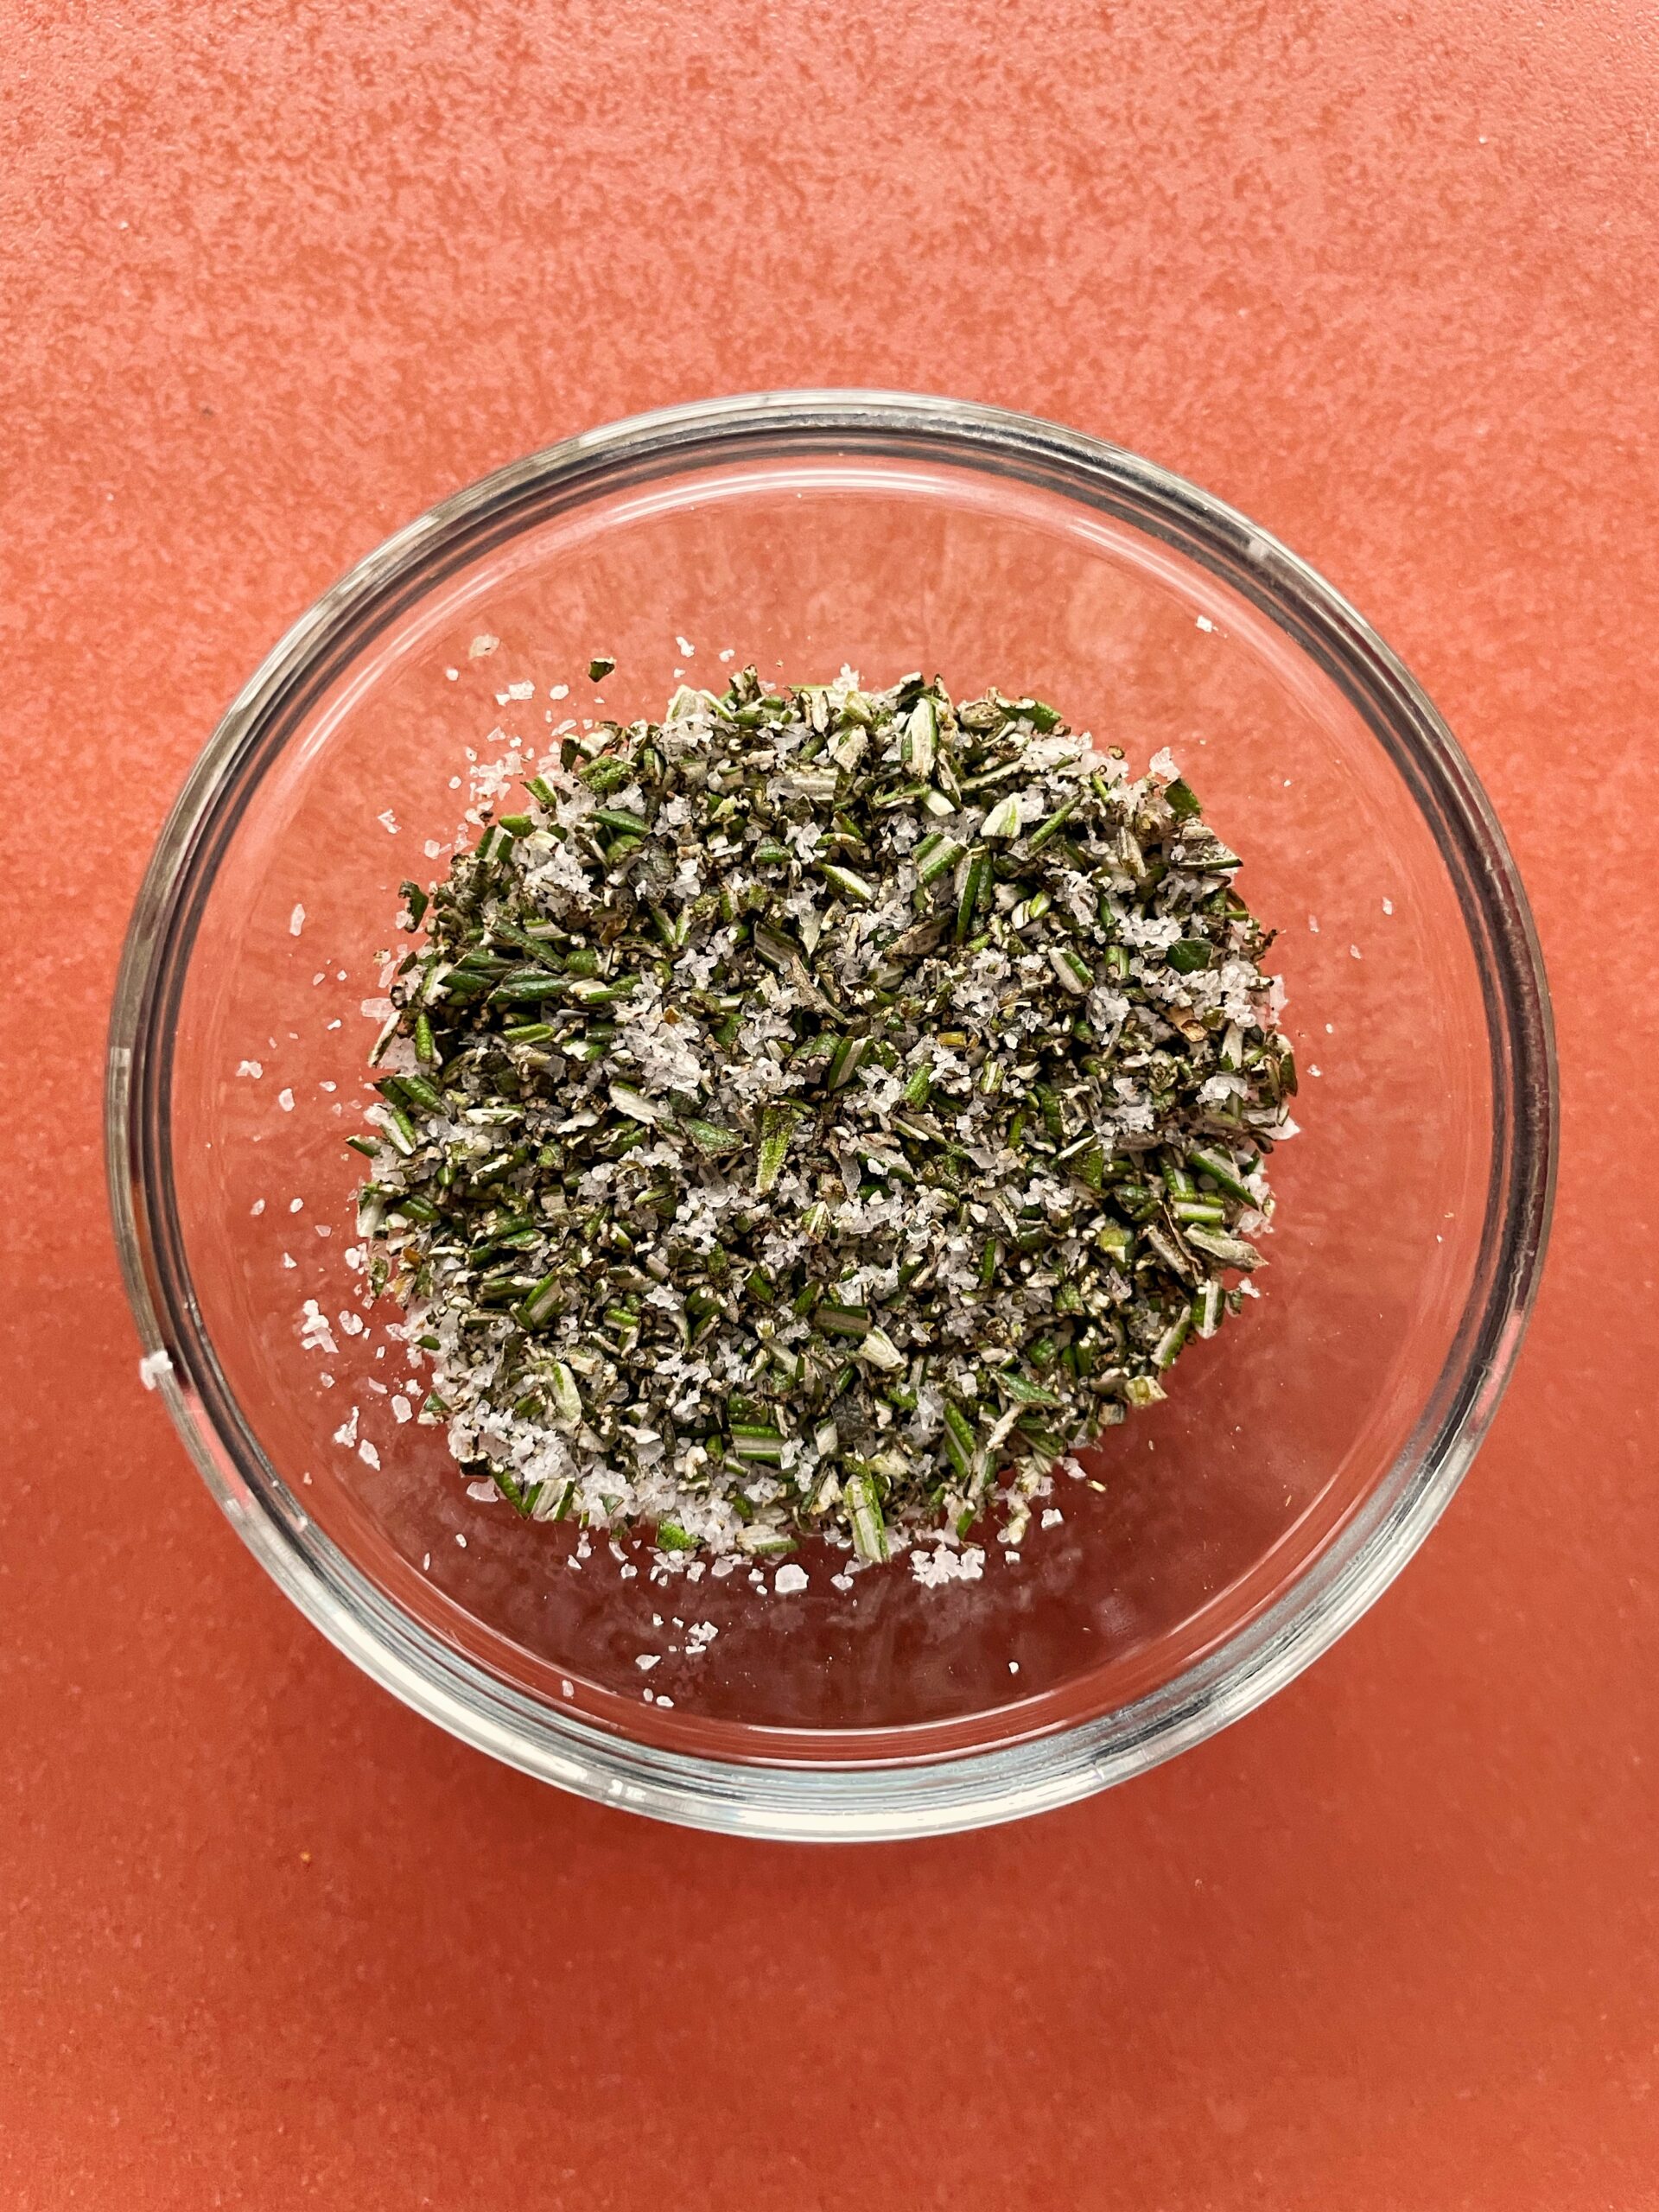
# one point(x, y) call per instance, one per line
point(276, 277)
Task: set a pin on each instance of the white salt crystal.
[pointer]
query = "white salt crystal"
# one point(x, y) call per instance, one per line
point(296, 921)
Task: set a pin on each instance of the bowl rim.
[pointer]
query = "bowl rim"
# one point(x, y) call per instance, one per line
point(844, 1802)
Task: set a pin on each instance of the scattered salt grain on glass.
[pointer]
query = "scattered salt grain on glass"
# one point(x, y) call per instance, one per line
point(152, 1367)
point(296, 921)
point(515, 691)
point(730, 653)
point(931, 1567)
point(297, 1206)
point(257, 1208)
point(320, 976)
point(1353, 952)
point(426, 1562)
point(455, 783)
point(1052, 1516)
point(367, 1454)
point(1204, 623)
point(461, 1540)
point(401, 1408)
point(788, 1580)
point(1316, 1071)
point(684, 645)
point(1330, 1028)
point(347, 1432)
point(1387, 905)
point(1313, 924)
point(285, 1100)
point(647, 1660)
point(431, 849)
point(454, 674)
point(661, 1700)
point(558, 691)
point(567, 1687)
point(388, 821)
point(1014, 1666)
point(481, 645)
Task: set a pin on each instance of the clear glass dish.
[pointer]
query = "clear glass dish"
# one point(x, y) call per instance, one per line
point(1301, 1457)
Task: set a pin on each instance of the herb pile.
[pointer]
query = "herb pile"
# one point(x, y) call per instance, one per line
point(820, 1112)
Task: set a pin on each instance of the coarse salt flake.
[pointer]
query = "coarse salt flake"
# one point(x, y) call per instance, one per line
point(152, 1367)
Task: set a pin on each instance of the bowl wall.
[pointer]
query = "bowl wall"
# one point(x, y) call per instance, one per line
point(1344, 1400)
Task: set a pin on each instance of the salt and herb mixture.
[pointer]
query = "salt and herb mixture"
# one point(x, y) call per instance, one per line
point(818, 1113)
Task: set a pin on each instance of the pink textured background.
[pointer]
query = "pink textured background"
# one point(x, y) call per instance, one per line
point(274, 280)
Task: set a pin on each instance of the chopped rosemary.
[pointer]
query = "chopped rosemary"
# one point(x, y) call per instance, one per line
point(819, 1112)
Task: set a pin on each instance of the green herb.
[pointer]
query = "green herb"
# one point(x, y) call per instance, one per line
point(807, 1118)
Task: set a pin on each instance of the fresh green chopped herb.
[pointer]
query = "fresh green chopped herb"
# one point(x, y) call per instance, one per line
point(820, 1112)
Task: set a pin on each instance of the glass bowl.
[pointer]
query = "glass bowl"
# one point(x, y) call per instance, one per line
point(1301, 1457)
